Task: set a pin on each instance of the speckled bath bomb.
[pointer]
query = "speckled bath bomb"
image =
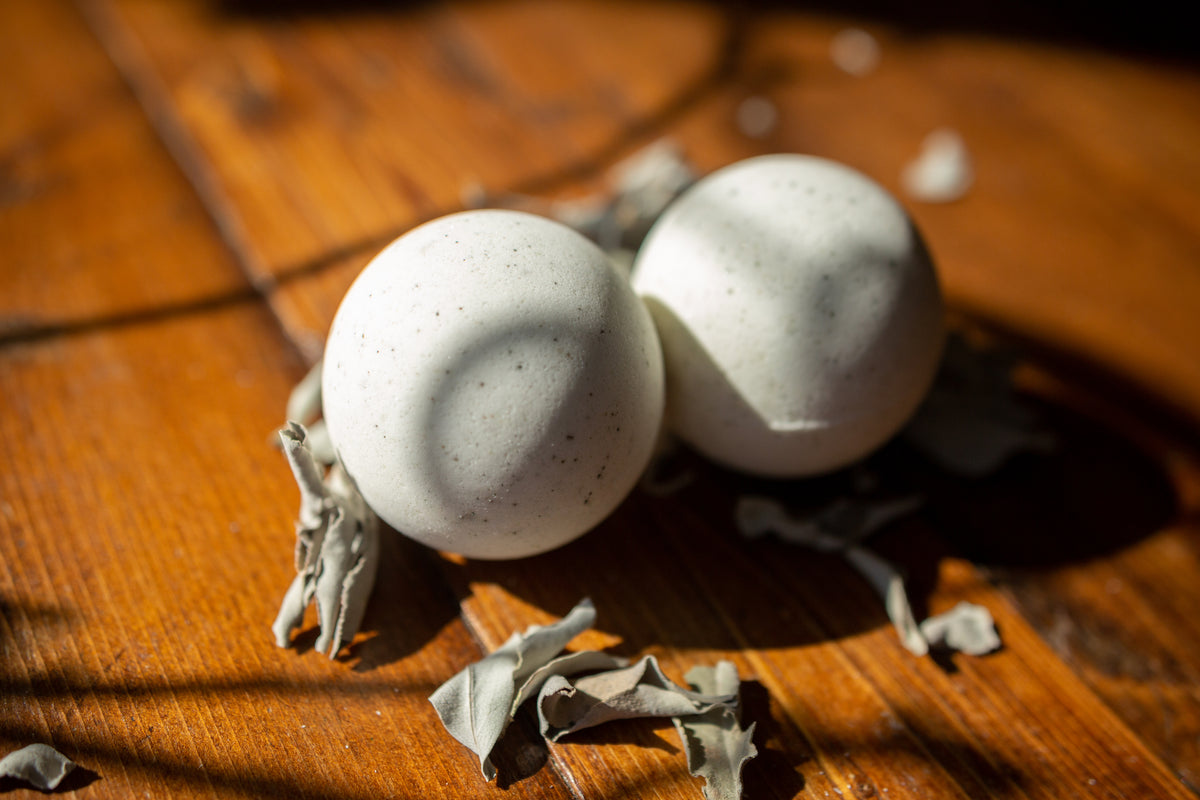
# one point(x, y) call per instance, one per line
point(799, 313)
point(492, 384)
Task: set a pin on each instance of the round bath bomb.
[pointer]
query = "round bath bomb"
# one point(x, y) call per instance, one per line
point(799, 313)
point(492, 385)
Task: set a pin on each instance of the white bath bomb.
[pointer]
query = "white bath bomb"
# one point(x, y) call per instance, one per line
point(492, 384)
point(799, 313)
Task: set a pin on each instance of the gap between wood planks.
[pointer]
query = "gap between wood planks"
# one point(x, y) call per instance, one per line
point(137, 70)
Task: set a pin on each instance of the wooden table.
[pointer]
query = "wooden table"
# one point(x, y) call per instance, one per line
point(186, 190)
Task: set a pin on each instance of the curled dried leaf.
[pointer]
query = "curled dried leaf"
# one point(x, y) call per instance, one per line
point(39, 765)
point(840, 527)
point(842, 523)
point(716, 744)
point(639, 690)
point(337, 549)
point(479, 702)
point(304, 403)
point(967, 628)
point(887, 581)
point(639, 189)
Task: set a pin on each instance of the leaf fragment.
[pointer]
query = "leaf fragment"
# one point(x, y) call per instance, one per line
point(617, 219)
point(967, 628)
point(477, 703)
point(337, 549)
point(888, 583)
point(569, 664)
point(39, 765)
point(942, 172)
point(840, 524)
point(973, 421)
point(304, 407)
point(639, 690)
point(840, 527)
point(716, 744)
point(304, 403)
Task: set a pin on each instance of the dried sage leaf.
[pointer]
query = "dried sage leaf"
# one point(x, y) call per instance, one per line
point(942, 172)
point(337, 549)
point(839, 527)
point(888, 583)
point(640, 690)
point(973, 421)
point(304, 403)
point(39, 765)
point(967, 628)
point(717, 746)
point(569, 664)
point(840, 524)
point(477, 704)
point(639, 189)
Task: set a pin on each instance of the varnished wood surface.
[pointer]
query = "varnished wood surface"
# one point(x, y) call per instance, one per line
point(186, 190)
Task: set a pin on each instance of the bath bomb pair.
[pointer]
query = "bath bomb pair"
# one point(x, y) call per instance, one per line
point(495, 386)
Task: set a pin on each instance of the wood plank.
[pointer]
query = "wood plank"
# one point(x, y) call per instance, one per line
point(1124, 624)
point(95, 219)
point(311, 136)
point(1122, 616)
point(1083, 167)
point(846, 707)
point(1032, 232)
point(142, 494)
point(305, 303)
point(1156, 702)
point(144, 541)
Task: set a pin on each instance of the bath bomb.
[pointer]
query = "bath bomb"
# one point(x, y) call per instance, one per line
point(492, 384)
point(799, 312)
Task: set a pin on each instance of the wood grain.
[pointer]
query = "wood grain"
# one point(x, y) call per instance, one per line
point(1122, 615)
point(228, 168)
point(858, 709)
point(1083, 167)
point(145, 545)
point(413, 108)
point(96, 221)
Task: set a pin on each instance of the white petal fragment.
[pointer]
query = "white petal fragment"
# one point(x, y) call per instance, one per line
point(337, 550)
point(855, 51)
point(942, 172)
point(39, 765)
point(641, 187)
point(477, 704)
point(717, 746)
point(640, 690)
point(967, 628)
point(756, 117)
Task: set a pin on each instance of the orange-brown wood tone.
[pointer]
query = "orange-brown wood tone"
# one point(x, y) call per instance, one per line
point(186, 190)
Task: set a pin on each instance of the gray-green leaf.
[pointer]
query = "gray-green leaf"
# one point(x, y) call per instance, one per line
point(717, 746)
point(887, 581)
point(337, 549)
point(967, 628)
point(842, 523)
point(477, 704)
point(640, 690)
point(39, 765)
